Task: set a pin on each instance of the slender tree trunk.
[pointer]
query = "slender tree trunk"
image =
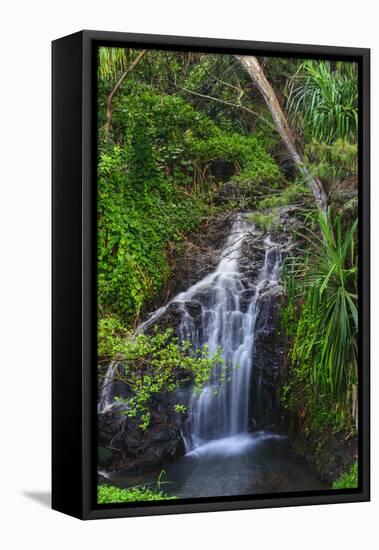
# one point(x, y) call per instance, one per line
point(116, 88)
point(255, 71)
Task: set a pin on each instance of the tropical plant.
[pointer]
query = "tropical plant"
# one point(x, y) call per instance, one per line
point(324, 100)
point(326, 341)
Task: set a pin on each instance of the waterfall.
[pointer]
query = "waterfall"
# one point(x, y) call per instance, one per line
point(230, 303)
point(111, 388)
point(228, 321)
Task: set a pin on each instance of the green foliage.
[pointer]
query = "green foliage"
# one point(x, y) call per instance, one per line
point(186, 139)
point(348, 480)
point(254, 164)
point(332, 162)
point(108, 494)
point(144, 180)
point(154, 176)
point(111, 61)
point(152, 189)
point(267, 217)
point(265, 220)
point(318, 413)
point(139, 215)
point(259, 170)
point(156, 364)
point(110, 334)
point(320, 317)
point(181, 409)
point(328, 325)
point(324, 101)
point(290, 195)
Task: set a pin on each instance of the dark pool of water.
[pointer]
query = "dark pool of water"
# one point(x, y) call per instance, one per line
point(245, 464)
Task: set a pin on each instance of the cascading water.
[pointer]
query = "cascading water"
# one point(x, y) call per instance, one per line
point(228, 321)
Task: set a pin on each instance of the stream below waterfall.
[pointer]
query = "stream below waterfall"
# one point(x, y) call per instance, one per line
point(226, 452)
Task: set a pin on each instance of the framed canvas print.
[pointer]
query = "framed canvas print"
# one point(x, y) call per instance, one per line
point(210, 274)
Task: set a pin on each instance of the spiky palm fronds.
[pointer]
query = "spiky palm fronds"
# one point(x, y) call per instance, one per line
point(326, 341)
point(324, 101)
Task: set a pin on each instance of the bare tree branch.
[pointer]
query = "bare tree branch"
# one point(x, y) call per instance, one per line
point(225, 102)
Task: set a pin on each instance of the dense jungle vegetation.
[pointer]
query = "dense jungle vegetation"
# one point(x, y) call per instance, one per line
point(172, 129)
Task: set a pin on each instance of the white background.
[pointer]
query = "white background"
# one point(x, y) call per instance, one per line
point(27, 29)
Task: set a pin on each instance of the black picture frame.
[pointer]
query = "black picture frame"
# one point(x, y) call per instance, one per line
point(74, 274)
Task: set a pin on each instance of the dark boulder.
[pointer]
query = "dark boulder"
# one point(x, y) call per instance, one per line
point(134, 450)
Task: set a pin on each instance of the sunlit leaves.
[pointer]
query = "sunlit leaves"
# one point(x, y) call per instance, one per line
point(108, 494)
point(156, 364)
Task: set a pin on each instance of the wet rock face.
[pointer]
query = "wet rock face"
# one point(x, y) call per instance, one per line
point(336, 456)
point(269, 347)
point(171, 318)
point(198, 255)
point(333, 457)
point(173, 315)
point(123, 445)
point(269, 359)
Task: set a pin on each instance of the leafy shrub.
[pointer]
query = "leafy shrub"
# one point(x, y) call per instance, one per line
point(252, 162)
point(348, 480)
point(156, 364)
point(110, 334)
point(108, 494)
point(139, 214)
point(258, 170)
